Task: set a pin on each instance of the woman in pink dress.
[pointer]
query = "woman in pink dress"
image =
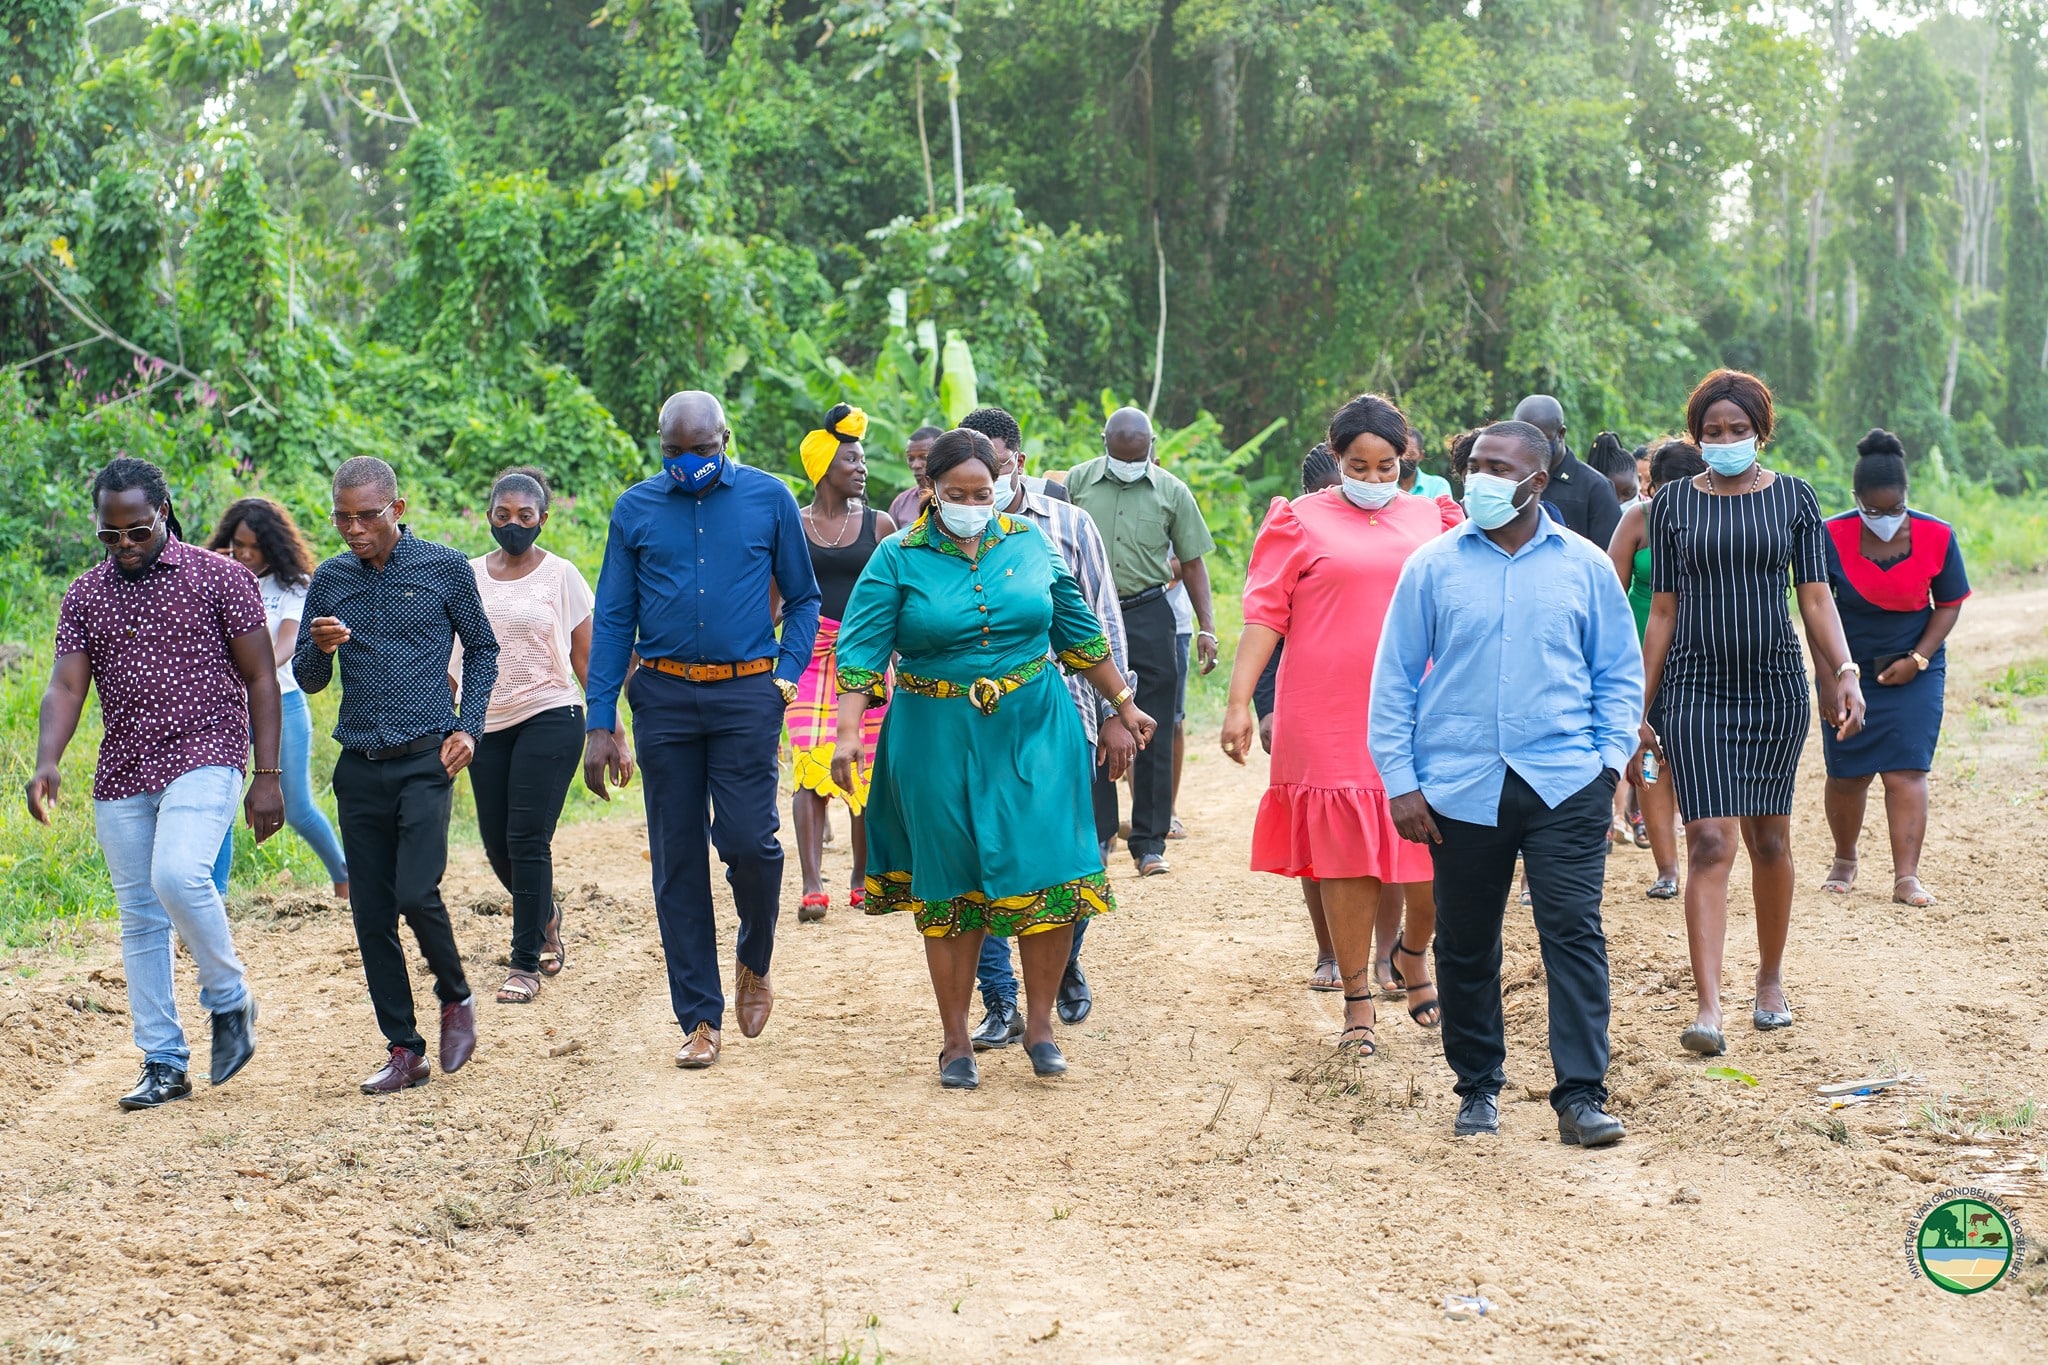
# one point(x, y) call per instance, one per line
point(1321, 576)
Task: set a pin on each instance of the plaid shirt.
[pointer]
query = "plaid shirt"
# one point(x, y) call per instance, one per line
point(1073, 534)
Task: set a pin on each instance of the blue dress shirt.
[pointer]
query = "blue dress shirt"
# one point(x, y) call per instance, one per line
point(686, 578)
point(1490, 661)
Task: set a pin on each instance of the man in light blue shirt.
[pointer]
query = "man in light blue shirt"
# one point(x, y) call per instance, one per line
point(1504, 706)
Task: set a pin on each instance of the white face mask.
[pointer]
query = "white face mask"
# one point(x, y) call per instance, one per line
point(1127, 471)
point(1884, 528)
point(1370, 496)
point(1006, 489)
point(966, 520)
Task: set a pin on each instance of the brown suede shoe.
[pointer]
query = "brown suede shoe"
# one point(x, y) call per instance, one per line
point(402, 1070)
point(753, 998)
point(458, 1033)
point(700, 1051)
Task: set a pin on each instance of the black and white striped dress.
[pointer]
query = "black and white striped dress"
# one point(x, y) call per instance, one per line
point(1732, 707)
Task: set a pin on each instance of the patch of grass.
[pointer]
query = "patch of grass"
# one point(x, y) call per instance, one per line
point(2001, 537)
point(2013, 1118)
point(544, 1162)
point(1834, 1130)
point(1961, 1118)
point(1060, 1213)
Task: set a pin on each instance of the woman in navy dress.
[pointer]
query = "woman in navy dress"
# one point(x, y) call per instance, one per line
point(1899, 585)
point(1725, 687)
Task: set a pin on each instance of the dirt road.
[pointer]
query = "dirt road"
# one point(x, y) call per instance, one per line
point(1179, 1195)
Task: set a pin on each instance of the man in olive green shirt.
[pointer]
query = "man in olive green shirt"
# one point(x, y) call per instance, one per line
point(1147, 518)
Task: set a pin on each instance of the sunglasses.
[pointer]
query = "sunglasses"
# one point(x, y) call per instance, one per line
point(134, 535)
point(344, 521)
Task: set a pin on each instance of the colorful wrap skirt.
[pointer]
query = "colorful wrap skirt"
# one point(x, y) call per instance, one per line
point(813, 721)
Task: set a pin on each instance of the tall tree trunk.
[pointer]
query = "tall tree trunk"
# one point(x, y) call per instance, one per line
point(2024, 303)
point(959, 175)
point(1852, 302)
point(931, 198)
point(1899, 217)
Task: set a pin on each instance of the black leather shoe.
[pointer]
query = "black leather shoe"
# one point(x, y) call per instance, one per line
point(234, 1042)
point(1046, 1059)
point(1003, 1026)
point(160, 1083)
point(1584, 1123)
point(1075, 999)
point(959, 1074)
point(1480, 1113)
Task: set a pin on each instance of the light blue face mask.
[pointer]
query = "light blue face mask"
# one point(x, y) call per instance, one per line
point(1884, 528)
point(1006, 490)
point(1490, 499)
point(966, 520)
point(1370, 496)
point(1730, 460)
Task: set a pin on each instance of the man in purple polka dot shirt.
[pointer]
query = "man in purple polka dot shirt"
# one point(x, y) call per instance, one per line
point(174, 639)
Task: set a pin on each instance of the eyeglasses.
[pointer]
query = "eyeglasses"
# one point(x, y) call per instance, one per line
point(134, 535)
point(344, 521)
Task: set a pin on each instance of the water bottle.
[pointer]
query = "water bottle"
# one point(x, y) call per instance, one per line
point(1650, 767)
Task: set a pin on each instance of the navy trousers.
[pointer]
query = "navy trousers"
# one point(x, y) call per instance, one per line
point(1565, 850)
point(706, 753)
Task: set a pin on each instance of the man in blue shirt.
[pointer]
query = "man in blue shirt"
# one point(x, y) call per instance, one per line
point(692, 563)
point(1504, 702)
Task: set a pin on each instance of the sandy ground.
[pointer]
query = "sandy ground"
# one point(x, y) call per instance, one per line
point(1196, 1188)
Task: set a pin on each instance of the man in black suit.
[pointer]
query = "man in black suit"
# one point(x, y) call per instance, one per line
point(1582, 495)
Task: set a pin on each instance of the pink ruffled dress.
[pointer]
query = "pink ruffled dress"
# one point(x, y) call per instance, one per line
point(1322, 574)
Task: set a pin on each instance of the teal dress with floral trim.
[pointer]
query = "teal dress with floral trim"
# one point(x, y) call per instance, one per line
point(977, 820)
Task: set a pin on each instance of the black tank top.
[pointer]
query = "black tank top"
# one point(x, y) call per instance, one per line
point(839, 569)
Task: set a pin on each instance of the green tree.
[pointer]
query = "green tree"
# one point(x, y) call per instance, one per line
point(2025, 313)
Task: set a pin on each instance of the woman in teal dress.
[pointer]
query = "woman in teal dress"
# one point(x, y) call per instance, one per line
point(979, 814)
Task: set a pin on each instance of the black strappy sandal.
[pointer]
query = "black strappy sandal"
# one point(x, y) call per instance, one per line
point(1369, 1044)
point(1416, 1012)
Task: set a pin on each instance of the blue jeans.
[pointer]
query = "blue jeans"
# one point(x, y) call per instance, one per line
point(301, 811)
point(155, 846)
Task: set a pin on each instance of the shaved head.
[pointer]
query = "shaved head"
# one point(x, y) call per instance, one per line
point(693, 420)
point(1127, 435)
point(1544, 413)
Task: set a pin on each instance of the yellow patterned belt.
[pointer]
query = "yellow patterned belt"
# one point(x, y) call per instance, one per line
point(985, 693)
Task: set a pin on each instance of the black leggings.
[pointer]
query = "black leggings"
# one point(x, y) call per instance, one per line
point(521, 776)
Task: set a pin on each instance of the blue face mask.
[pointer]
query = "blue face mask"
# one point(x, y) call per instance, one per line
point(694, 470)
point(1490, 499)
point(966, 520)
point(1006, 490)
point(1730, 460)
point(1370, 496)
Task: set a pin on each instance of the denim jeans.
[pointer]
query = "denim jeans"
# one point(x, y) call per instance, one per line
point(156, 847)
point(301, 811)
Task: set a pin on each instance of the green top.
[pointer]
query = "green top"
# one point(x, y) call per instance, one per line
point(1142, 522)
point(1639, 589)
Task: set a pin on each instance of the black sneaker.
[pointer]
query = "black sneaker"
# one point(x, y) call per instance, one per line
point(159, 1084)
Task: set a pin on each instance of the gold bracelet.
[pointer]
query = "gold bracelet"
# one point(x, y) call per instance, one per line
point(1116, 703)
point(268, 772)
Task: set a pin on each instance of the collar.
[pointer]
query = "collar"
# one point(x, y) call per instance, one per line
point(727, 474)
point(1546, 529)
point(1035, 501)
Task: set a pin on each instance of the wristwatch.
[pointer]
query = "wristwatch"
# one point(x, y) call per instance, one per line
point(1849, 666)
point(787, 689)
point(1921, 659)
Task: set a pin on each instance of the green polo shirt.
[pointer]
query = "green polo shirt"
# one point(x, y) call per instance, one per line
point(1142, 522)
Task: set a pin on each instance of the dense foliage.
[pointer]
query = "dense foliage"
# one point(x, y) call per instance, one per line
point(254, 237)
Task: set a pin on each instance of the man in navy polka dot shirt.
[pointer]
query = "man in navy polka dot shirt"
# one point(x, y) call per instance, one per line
point(390, 610)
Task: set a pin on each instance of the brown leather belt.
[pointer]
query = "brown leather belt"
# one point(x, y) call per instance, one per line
point(703, 673)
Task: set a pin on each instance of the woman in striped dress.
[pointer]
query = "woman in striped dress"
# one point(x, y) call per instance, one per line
point(1725, 694)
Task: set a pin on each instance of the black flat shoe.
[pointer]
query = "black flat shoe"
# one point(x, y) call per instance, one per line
point(1586, 1124)
point(234, 1042)
point(959, 1074)
point(1075, 999)
point(160, 1083)
point(1046, 1059)
point(1480, 1113)
point(1003, 1026)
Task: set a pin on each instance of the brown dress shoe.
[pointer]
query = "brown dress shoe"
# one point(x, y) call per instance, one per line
point(458, 1033)
point(701, 1049)
point(402, 1070)
point(753, 998)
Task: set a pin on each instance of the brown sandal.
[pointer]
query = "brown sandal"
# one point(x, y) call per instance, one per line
point(520, 988)
point(553, 956)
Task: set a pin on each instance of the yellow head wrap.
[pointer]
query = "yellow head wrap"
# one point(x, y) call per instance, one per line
point(842, 424)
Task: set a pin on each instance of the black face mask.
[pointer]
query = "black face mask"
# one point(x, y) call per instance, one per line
point(515, 539)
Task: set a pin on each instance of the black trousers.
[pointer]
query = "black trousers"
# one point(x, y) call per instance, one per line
point(1565, 850)
point(394, 832)
point(708, 774)
point(1151, 645)
point(520, 778)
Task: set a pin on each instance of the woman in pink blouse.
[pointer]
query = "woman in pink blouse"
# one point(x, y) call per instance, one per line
point(1322, 573)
